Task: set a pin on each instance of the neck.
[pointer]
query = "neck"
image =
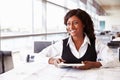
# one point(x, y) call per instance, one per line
point(78, 38)
point(78, 41)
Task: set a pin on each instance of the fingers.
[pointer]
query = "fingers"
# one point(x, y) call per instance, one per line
point(62, 60)
point(59, 60)
point(81, 67)
point(85, 62)
point(88, 65)
point(56, 62)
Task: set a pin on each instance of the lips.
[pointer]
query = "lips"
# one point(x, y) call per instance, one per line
point(72, 31)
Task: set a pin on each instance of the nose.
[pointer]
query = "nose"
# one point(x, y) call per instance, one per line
point(71, 26)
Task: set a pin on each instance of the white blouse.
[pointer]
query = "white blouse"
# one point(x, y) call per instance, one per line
point(104, 54)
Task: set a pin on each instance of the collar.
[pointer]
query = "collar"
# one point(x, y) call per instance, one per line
point(86, 40)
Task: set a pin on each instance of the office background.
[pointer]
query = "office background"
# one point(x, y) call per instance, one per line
point(24, 21)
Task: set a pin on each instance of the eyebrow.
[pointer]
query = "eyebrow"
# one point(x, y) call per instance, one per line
point(73, 20)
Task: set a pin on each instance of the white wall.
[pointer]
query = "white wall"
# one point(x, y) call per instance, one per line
point(111, 21)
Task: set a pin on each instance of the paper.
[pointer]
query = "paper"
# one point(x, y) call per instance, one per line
point(62, 65)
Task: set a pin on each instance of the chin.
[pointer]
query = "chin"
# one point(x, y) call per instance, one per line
point(73, 35)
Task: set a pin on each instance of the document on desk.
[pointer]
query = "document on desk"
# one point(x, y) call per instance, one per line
point(65, 65)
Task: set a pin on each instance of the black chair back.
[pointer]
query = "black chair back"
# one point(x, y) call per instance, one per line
point(40, 45)
point(6, 61)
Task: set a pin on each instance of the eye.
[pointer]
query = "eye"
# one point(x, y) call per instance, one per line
point(68, 24)
point(75, 22)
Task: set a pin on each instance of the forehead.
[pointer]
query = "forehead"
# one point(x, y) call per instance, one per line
point(73, 18)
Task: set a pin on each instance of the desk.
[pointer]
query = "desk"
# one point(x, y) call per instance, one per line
point(38, 71)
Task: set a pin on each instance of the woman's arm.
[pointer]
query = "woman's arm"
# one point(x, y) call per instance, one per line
point(89, 65)
point(47, 55)
point(55, 60)
point(105, 55)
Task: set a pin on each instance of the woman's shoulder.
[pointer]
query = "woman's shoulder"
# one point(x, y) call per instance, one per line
point(61, 40)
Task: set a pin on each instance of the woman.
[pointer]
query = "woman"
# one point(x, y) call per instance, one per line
point(81, 45)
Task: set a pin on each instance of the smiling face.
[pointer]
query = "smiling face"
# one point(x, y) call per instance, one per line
point(75, 26)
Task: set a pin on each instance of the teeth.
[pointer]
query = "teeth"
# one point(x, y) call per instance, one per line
point(72, 30)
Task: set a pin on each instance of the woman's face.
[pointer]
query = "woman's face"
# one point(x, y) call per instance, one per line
point(75, 26)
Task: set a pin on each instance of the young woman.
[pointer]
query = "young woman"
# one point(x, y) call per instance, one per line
point(80, 46)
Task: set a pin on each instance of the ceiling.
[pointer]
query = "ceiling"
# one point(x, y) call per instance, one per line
point(112, 7)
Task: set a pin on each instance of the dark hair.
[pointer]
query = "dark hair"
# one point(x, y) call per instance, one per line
point(86, 20)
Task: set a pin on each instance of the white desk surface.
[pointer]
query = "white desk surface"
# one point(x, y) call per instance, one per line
point(38, 71)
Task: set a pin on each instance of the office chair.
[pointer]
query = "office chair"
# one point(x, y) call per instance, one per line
point(114, 44)
point(6, 61)
point(38, 46)
point(1, 63)
point(119, 53)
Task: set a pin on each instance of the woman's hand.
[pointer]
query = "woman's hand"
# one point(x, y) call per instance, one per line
point(89, 65)
point(55, 61)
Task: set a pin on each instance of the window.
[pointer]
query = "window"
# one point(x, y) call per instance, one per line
point(23, 20)
point(72, 4)
point(59, 2)
point(37, 17)
point(16, 17)
point(55, 18)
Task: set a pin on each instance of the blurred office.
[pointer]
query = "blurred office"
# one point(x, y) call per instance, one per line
point(22, 22)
